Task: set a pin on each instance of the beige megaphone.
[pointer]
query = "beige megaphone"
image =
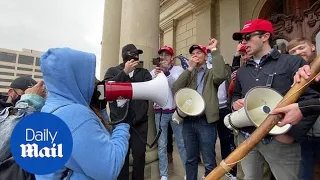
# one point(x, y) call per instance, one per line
point(189, 103)
point(259, 101)
point(155, 90)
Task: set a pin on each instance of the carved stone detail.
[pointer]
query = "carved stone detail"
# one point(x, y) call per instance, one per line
point(313, 14)
point(282, 22)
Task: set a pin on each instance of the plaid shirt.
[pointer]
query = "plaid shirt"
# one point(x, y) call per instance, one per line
point(265, 140)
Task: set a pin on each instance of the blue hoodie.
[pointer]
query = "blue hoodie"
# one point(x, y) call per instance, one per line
point(69, 78)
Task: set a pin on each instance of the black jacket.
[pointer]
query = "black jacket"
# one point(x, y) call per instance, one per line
point(236, 62)
point(3, 103)
point(138, 109)
point(311, 106)
point(285, 66)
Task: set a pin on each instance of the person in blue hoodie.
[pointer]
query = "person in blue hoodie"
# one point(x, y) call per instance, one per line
point(69, 76)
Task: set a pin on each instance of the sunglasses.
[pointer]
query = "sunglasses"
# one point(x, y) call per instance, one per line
point(247, 37)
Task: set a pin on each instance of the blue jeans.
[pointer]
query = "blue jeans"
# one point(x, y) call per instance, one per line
point(199, 135)
point(310, 151)
point(163, 141)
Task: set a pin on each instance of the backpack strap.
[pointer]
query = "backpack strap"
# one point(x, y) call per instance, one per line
point(58, 108)
point(67, 173)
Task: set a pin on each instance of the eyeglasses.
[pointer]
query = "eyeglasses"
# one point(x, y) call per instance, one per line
point(247, 37)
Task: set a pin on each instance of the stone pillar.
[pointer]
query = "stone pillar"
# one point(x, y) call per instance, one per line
point(111, 35)
point(140, 26)
point(229, 23)
point(169, 35)
point(203, 12)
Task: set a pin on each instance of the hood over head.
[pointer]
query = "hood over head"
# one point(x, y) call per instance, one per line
point(69, 75)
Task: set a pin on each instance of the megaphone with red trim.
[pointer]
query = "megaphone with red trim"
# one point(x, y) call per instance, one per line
point(156, 90)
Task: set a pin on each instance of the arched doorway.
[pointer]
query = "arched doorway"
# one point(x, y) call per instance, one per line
point(293, 18)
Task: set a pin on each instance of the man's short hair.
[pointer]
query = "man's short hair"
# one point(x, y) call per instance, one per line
point(298, 41)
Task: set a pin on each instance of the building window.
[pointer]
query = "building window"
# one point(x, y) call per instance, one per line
point(19, 74)
point(6, 80)
point(37, 70)
point(8, 57)
point(37, 76)
point(28, 60)
point(24, 69)
point(37, 61)
point(6, 73)
point(5, 87)
point(6, 67)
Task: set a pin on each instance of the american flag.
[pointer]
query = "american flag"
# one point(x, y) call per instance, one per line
point(184, 61)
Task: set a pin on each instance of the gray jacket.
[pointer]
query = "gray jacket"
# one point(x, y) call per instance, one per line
point(10, 116)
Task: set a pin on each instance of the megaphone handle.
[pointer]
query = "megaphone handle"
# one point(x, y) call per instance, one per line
point(231, 124)
point(124, 117)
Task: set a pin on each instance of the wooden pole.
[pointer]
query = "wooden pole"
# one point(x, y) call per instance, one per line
point(245, 147)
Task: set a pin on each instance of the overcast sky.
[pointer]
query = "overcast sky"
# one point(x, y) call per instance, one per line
point(42, 24)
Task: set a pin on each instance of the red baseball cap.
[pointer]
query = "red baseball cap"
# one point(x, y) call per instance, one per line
point(166, 48)
point(242, 48)
point(201, 47)
point(252, 26)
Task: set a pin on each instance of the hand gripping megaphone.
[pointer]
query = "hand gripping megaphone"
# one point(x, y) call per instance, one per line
point(155, 90)
point(189, 103)
point(259, 101)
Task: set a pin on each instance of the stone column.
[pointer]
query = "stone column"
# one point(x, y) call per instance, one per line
point(203, 12)
point(169, 35)
point(111, 35)
point(229, 23)
point(140, 26)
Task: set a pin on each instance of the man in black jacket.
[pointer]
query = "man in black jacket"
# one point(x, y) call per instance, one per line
point(294, 113)
point(138, 110)
point(267, 67)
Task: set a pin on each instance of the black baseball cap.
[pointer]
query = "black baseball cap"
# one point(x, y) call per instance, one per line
point(131, 48)
point(23, 83)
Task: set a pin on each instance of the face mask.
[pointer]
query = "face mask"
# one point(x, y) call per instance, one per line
point(130, 55)
point(17, 99)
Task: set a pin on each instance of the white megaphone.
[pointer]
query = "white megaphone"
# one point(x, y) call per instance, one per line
point(155, 90)
point(189, 103)
point(259, 101)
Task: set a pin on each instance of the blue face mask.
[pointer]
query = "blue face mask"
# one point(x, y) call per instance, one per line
point(210, 58)
point(33, 100)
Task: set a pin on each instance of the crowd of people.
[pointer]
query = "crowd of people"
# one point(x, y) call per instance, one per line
point(70, 86)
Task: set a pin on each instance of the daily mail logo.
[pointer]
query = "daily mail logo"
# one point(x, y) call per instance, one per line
point(41, 143)
point(33, 150)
